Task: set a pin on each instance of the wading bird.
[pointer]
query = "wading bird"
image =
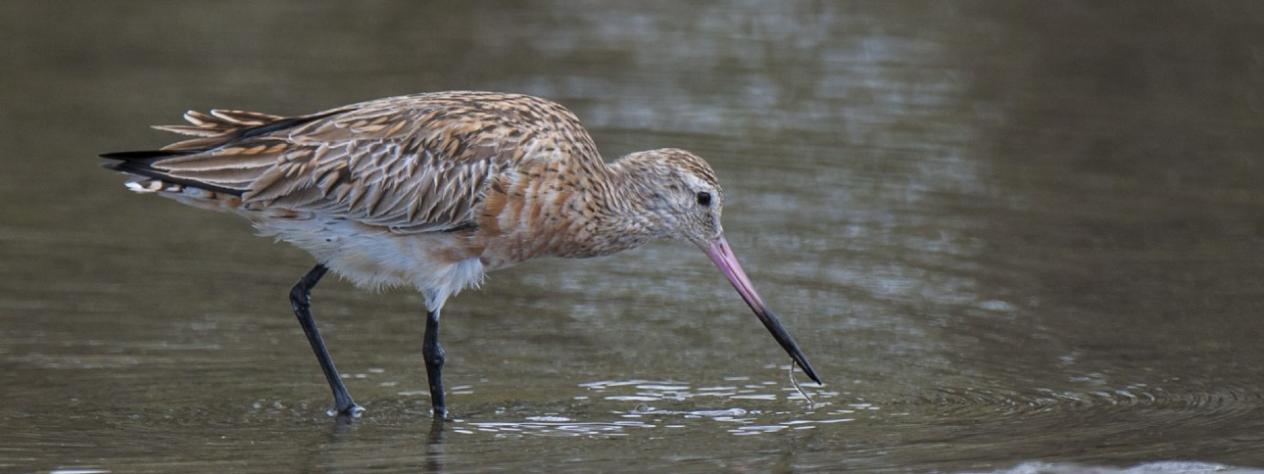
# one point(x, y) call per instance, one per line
point(434, 190)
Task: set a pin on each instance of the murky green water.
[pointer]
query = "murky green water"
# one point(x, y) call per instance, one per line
point(1006, 234)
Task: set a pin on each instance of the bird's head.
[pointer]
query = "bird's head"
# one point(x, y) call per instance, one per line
point(679, 190)
point(681, 195)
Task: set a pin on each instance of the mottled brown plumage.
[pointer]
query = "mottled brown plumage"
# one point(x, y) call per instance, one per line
point(432, 190)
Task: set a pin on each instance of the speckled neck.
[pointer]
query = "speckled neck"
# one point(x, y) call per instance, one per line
point(625, 213)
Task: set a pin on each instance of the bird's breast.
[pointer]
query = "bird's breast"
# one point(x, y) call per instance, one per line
point(543, 209)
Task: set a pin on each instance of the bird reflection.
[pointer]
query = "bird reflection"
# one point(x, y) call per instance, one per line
point(434, 446)
point(344, 444)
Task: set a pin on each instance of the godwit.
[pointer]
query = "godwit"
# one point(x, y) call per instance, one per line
point(434, 190)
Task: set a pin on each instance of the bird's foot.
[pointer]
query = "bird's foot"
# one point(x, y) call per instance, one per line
point(441, 413)
point(350, 410)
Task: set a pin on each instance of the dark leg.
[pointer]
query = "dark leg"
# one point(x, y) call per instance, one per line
point(300, 299)
point(433, 354)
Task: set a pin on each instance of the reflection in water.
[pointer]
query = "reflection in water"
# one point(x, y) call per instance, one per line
point(1013, 237)
point(736, 421)
point(649, 391)
point(434, 446)
point(1145, 468)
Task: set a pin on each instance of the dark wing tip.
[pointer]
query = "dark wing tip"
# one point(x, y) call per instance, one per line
point(139, 155)
point(139, 163)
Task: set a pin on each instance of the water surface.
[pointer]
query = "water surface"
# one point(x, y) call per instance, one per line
point(1008, 235)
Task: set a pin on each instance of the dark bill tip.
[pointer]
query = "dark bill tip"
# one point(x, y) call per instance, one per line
point(720, 253)
point(787, 342)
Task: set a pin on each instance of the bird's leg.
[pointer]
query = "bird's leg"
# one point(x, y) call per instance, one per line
point(434, 356)
point(300, 300)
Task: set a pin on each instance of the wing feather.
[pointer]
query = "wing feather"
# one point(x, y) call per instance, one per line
point(412, 163)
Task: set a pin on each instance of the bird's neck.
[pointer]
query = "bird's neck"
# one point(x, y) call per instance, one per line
point(623, 216)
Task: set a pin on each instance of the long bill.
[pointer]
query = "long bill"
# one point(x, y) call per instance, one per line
point(724, 259)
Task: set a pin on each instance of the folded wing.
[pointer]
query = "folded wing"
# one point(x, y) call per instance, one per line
point(413, 163)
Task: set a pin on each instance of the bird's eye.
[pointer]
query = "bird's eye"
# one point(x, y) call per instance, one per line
point(704, 198)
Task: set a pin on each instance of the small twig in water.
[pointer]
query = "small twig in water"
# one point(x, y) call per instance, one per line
point(797, 387)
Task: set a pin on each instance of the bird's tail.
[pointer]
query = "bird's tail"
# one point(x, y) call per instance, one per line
point(153, 179)
point(228, 151)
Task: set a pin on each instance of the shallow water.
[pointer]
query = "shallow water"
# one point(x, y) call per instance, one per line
point(1016, 237)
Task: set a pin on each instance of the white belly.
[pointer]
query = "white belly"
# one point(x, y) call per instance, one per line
point(372, 257)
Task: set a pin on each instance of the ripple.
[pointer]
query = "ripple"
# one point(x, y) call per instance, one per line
point(1048, 413)
point(1225, 398)
point(1146, 468)
point(640, 390)
point(743, 411)
point(550, 428)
